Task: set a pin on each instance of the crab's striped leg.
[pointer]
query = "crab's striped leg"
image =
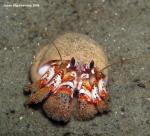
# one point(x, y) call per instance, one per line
point(59, 105)
point(47, 72)
point(102, 90)
point(44, 92)
point(86, 108)
point(97, 100)
point(99, 93)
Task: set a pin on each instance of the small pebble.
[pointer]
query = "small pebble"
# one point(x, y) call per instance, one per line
point(116, 14)
point(122, 109)
point(141, 85)
point(148, 99)
point(28, 125)
point(12, 111)
point(45, 28)
point(7, 113)
point(123, 29)
point(5, 48)
point(95, 11)
point(148, 121)
point(20, 118)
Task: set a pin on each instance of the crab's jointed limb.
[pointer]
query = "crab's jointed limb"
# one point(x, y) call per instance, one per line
point(47, 72)
point(86, 108)
point(92, 93)
point(98, 101)
point(56, 87)
point(48, 89)
point(102, 90)
point(59, 105)
point(99, 94)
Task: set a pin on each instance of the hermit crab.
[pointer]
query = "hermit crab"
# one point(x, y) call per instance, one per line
point(72, 68)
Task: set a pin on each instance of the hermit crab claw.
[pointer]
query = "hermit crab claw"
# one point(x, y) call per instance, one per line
point(101, 106)
point(59, 105)
point(43, 92)
point(86, 108)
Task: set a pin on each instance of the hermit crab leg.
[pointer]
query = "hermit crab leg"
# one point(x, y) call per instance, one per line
point(101, 81)
point(44, 92)
point(46, 72)
point(97, 100)
point(59, 105)
point(99, 93)
point(86, 108)
point(89, 89)
point(102, 90)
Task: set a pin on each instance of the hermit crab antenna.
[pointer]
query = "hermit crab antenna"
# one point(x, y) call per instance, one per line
point(58, 52)
point(48, 37)
point(123, 61)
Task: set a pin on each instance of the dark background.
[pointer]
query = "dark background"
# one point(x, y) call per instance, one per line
point(122, 27)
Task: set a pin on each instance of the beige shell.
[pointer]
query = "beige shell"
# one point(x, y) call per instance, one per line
point(79, 46)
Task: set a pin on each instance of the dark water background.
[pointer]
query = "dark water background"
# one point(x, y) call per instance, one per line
point(121, 26)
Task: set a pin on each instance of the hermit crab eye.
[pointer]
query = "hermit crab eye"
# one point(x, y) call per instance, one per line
point(72, 62)
point(91, 65)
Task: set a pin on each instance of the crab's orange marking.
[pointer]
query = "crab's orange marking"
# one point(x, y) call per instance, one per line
point(65, 90)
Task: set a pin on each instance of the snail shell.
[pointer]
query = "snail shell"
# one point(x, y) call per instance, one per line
point(79, 46)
